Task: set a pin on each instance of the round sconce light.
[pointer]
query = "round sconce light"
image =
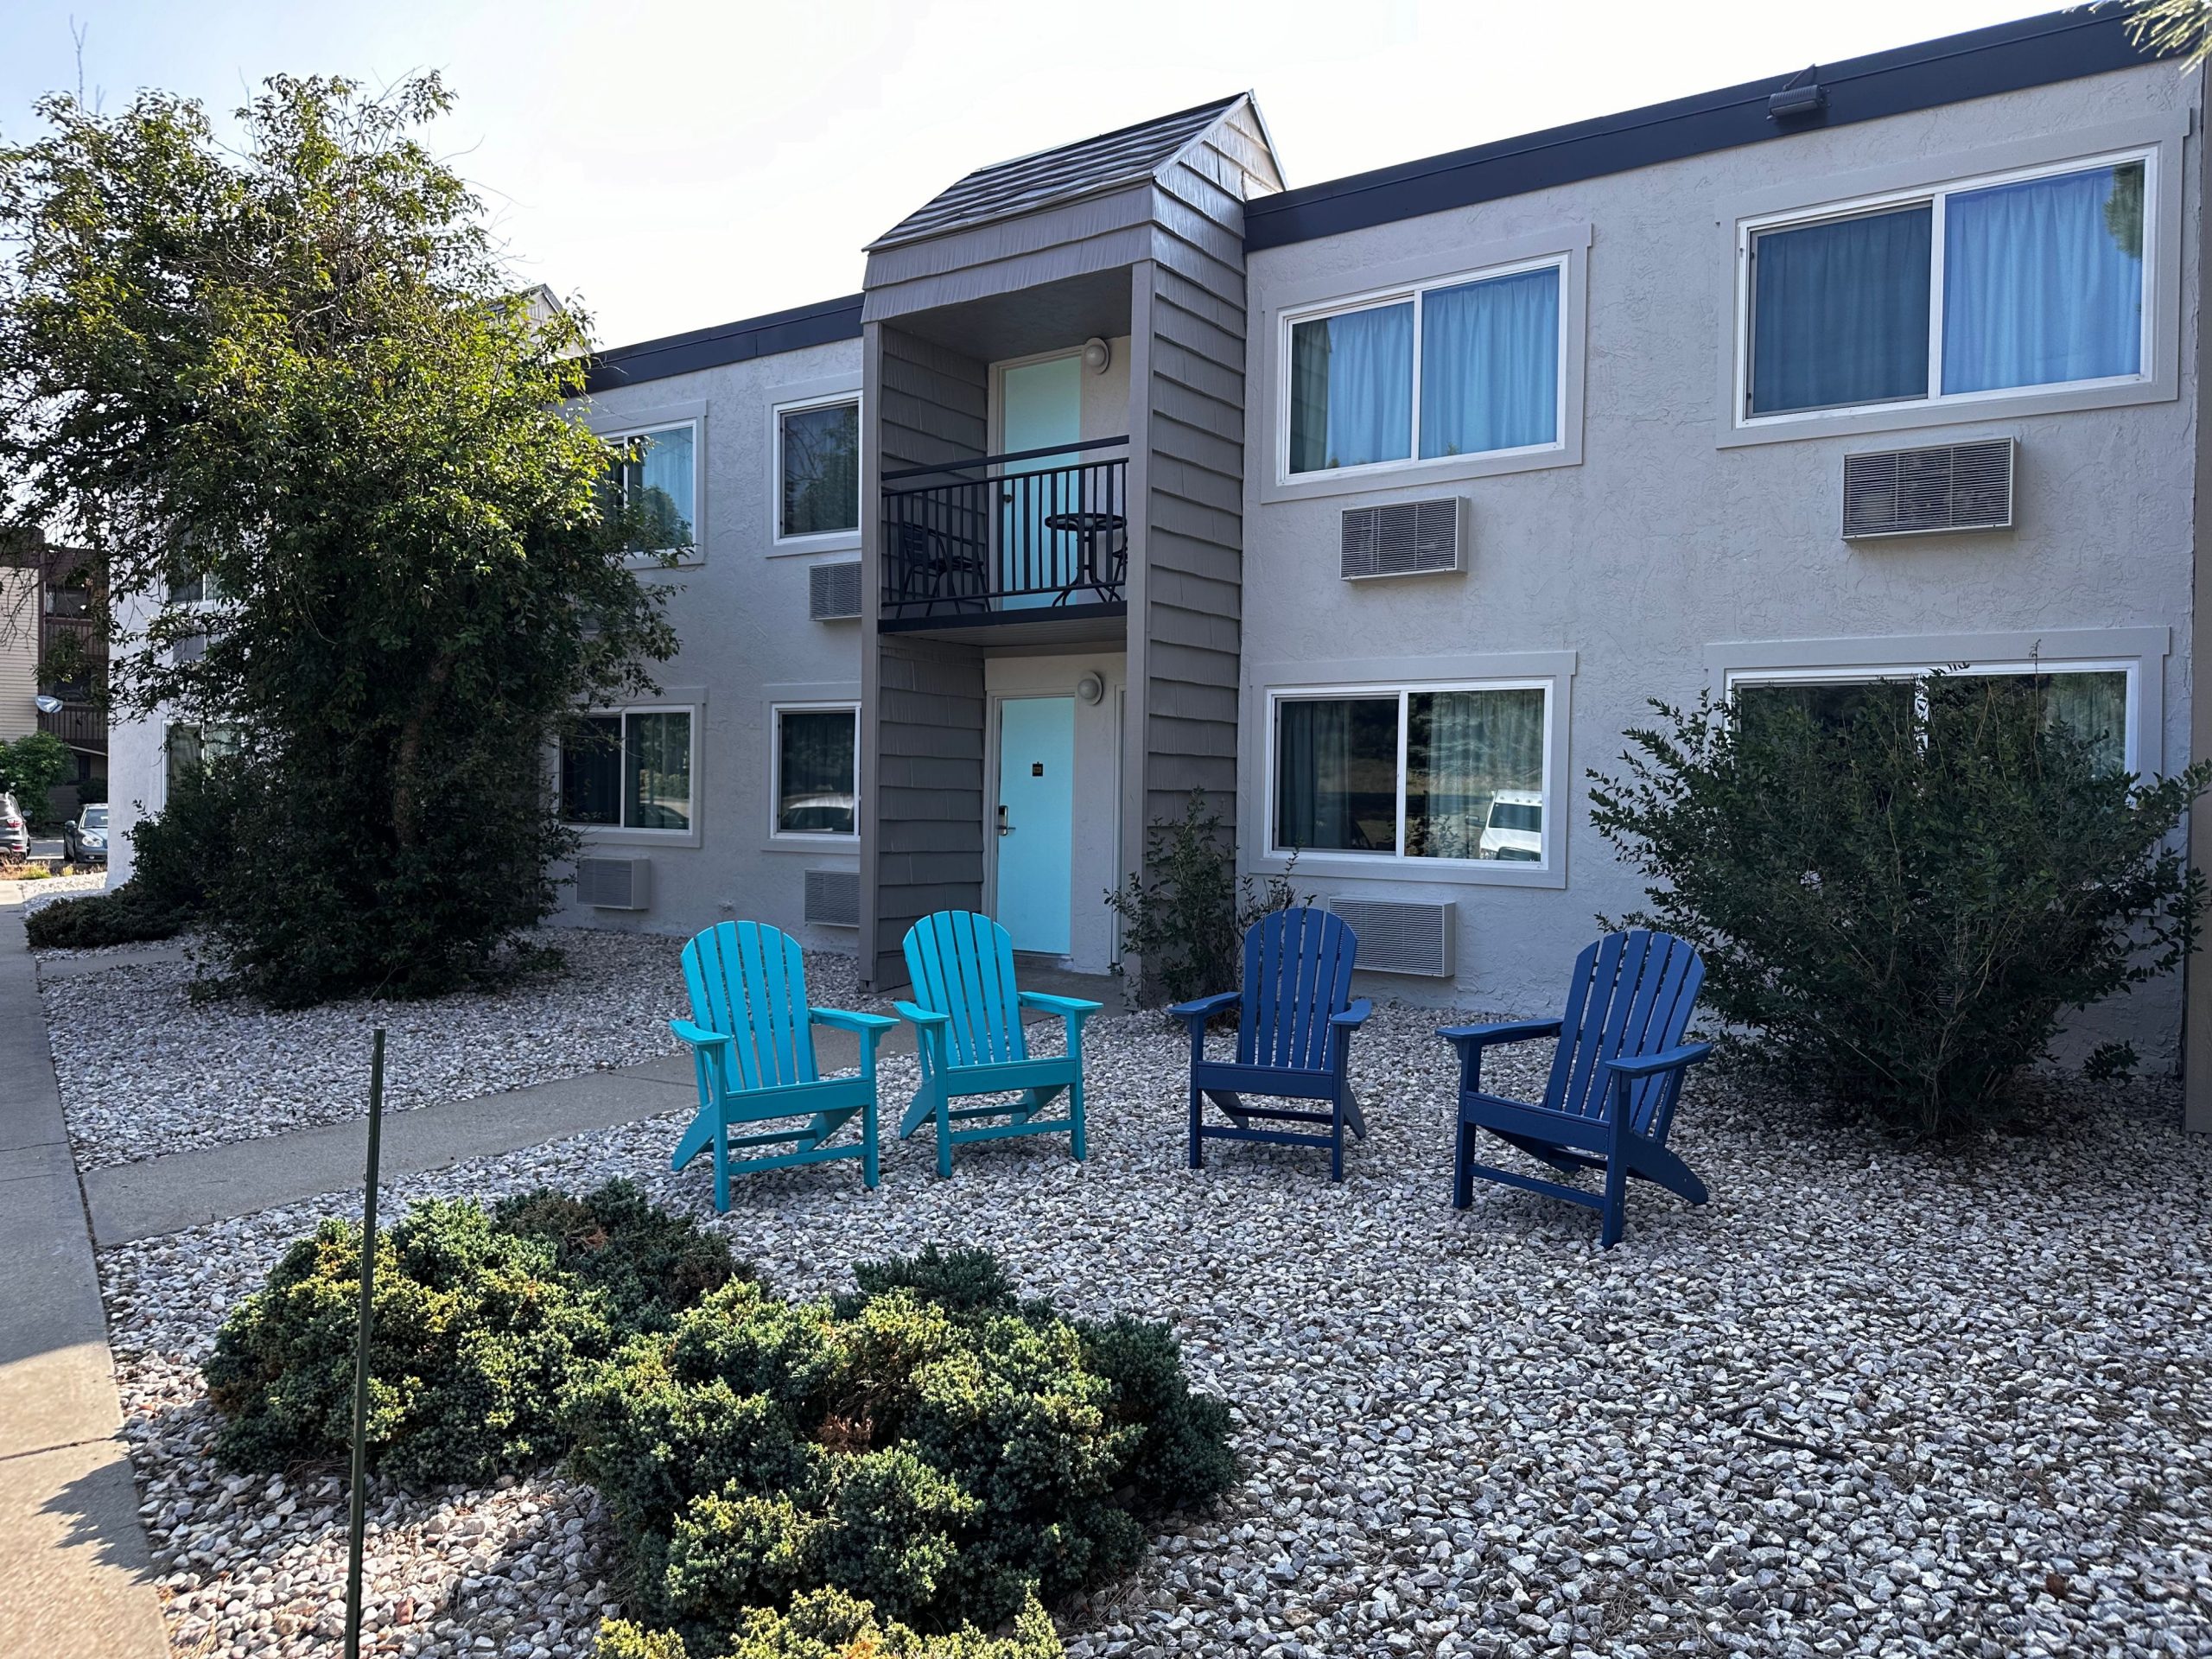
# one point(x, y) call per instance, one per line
point(1096, 354)
point(1090, 688)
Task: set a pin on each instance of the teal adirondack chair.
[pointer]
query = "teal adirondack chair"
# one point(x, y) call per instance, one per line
point(751, 1035)
point(968, 1016)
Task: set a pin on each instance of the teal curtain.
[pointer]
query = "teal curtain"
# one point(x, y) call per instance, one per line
point(1839, 312)
point(1490, 364)
point(661, 482)
point(1352, 389)
point(2043, 280)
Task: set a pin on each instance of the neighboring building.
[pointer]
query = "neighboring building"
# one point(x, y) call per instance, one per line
point(1378, 509)
point(50, 653)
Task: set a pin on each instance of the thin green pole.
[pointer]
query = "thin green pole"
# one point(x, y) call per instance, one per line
point(361, 1355)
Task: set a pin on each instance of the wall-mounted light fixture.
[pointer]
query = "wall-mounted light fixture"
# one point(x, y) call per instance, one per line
point(1090, 688)
point(1096, 354)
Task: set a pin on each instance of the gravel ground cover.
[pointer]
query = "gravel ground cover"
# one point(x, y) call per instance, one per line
point(145, 1070)
point(1870, 1399)
point(43, 892)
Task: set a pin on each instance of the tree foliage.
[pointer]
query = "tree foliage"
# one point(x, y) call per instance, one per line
point(1184, 918)
point(31, 766)
point(294, 377)
point(1903, 906)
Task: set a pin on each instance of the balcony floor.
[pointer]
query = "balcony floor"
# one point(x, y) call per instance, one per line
point(1098, 623)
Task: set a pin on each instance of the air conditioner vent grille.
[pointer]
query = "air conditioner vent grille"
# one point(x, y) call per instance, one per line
point(834, 591)
point(614, 883)
point(1400, 538)
point(1397, 938)
point(832, 898)
point(1920, 491)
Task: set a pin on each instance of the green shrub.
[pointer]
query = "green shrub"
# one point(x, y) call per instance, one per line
point(30, 767)
point(481, 1323)
point(829, 1624)
point(176, 859)
point(1185, 916)
point(928, 1444)
point(1902, 894)
point(122, 916)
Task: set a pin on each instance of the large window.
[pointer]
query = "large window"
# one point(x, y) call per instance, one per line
point(817, 783)
point(189, 746)
point(2090, 700)
point(1990, 286)
point(1448, 772)
point(658, 474)
point(817, 470)
point(1466, 368)
point(630, 770)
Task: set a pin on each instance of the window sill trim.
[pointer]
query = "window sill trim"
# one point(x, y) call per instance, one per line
point(1417, 474)
point(834, 541)
point(1963, 410)
point(1410, 871)
point(596, 835)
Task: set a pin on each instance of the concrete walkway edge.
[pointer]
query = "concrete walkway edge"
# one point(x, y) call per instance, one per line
point(76, 1579)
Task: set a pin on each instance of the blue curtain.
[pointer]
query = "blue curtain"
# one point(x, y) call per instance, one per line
point(1352, 389)
point(664, 477)
point(2043, 280)
point(1839, 312)
point(1490, 364)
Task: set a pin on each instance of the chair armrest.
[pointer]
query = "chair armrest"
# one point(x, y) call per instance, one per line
point(1666, 1059)
point(697, 1036)
point(1206, 1007)
point(921, 1016)
point(845, 1021)
point(1353, 1017)
point(1060, 1004)
point(1509, 1031)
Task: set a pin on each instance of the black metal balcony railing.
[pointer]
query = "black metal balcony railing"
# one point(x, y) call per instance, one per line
point(77, 724)
point(1004, 533)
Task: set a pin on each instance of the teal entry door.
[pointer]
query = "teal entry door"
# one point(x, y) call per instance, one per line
point(1036, 827)
point(1040, 407)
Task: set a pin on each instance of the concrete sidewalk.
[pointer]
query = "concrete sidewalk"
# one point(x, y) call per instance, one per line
point(74, 1578)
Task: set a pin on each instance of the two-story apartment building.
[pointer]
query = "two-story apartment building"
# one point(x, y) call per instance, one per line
point(1379, 508)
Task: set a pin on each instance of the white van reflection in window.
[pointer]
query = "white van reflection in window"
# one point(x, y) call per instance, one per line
point(1515, 829)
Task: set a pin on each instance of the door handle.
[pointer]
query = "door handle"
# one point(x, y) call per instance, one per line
point(1005, 829)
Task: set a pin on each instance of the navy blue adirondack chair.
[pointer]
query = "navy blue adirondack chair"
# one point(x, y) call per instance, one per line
point(751, 1036)
point(1293, 1038)
point(1616, 1077)
point(967, 1017)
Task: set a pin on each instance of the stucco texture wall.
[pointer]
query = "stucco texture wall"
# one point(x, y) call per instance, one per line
point(1664, 542)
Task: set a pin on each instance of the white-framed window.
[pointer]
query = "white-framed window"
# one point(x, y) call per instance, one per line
point(814, 790)
point(1455, 773)
point(659, 472)
point(633, 768)
point(817, 470)
point(1468, 364)
point(186, 746)
point(2099, 701)
point(1983, 288)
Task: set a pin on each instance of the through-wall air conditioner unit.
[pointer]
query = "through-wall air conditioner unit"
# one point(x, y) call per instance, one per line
point(1403, 538)
point(834, 591)
point(1395, 938)
point(832, 898)
point(1923, 492)
point(614, 883)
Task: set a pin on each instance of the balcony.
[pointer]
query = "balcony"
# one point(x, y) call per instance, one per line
point(1032, 536)
point(79, 725)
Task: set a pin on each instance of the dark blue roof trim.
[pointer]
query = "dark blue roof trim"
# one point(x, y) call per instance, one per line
point(2034, 51)
point(730, 342)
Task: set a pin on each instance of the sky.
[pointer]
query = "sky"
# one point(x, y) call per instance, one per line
point(671, 164)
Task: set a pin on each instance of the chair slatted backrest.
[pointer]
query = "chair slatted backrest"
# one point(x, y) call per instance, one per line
point(962, 965)
point(749, 980)
point(1297, 973)
point(1632, 995)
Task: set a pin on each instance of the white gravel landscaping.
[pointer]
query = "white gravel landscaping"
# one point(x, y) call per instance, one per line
point(145, 1070)
point(1872, 1399)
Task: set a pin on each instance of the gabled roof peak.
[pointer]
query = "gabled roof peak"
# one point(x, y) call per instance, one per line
point(1063, 173)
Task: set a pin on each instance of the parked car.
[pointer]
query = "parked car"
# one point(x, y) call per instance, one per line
point(1515, 829)
point(15, 832)
point(83, 838)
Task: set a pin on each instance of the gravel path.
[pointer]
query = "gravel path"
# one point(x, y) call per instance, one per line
point(1870, 1399)
point(145, 1070)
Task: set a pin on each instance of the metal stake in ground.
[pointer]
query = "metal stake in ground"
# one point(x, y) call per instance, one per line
point(358, 1519)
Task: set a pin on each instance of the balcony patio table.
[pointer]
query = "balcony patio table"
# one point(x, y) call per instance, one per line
point(1090, 529)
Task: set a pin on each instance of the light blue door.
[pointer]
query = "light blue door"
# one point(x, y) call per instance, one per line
point(1036, 827)
point(1040, 407)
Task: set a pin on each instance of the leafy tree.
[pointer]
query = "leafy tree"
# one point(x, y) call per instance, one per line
point(292, 379)
point(2181, 27)
point(1905, 901)
point(30, 766)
